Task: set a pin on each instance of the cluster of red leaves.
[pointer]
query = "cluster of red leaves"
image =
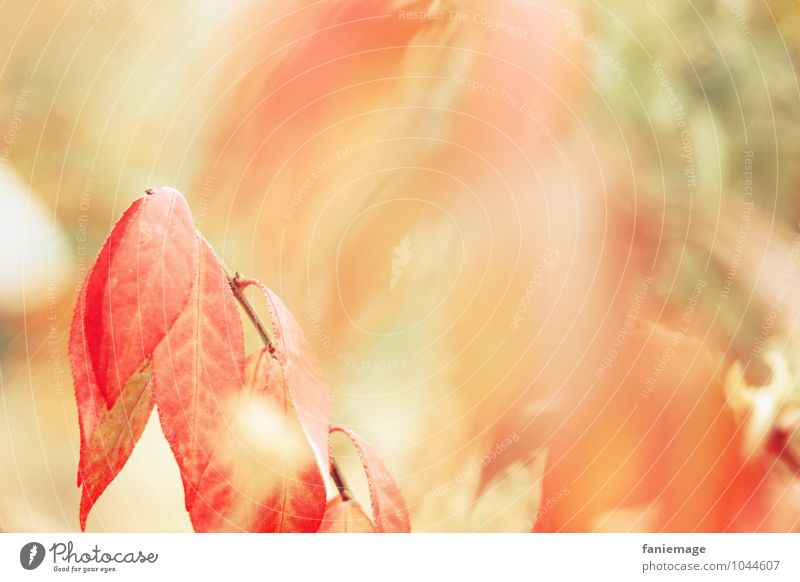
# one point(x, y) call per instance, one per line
point(157, 324)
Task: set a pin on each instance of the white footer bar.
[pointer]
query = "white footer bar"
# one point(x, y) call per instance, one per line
point(415, 557)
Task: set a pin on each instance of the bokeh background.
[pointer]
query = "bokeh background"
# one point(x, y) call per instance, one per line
point(546, 252)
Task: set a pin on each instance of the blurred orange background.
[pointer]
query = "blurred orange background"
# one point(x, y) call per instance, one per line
point(546, 252)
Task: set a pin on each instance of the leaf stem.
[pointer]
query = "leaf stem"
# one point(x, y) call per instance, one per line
point(236, 288)
point(344, 492)
point(235, 283)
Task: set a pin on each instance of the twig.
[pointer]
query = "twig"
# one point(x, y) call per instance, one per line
point(236, 288)
point(337, 480)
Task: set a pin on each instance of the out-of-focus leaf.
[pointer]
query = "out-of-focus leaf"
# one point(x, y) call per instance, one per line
point(510, 500)
point(307, 386)
point(263, 475)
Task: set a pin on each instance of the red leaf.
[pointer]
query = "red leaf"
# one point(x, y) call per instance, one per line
point(137, 287)
point(107, 435)
point(197, 367)
point(308, 388)
point(263, 476)
point(388, 508)
point(345, 517)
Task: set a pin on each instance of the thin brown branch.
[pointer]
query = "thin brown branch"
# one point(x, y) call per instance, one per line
point(340, 485)
point(236, 288)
